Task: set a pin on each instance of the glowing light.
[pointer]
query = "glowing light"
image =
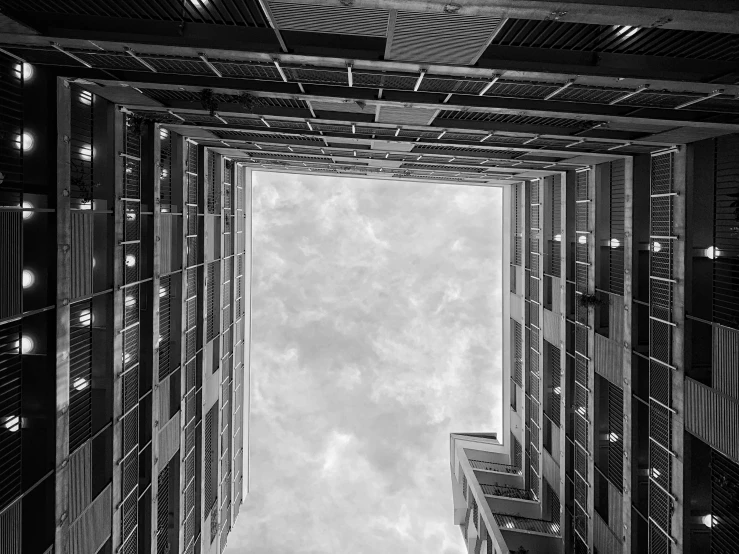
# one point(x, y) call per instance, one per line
point(12, 423)
point(509, 525)
point(582, 239)
point(80, 383)
point(26, 70)
point(86, 205)
point(162, 292)
point(581, 410)
point(656, 247)
point(86, 152)
point(613, 437)
point(712, 252)
point(86, 97)
point(159, 340)
point(558, 238)
point(130, 216)
point(163, 134)
point(164, 174)
point(129, 170)
point(557, 390)
point(85, 318)
point(126, 358)
point(27, 206)
point(130, 260)
point(655, 473)
point(27, 344)
point(614, 243)
point(29, 278)
point(130, 301)
point(709, 521)
point(26, 142)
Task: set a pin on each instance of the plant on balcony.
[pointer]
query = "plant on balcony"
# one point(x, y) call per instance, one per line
point(209, 101)
point(588, 300)
point(248, 102)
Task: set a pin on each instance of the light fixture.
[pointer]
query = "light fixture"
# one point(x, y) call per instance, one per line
point(27, 71)
point(712, 252)
point(162, 292)
point(126, 358)
point(582, 239)
point(80, 383)
point(613, 437)
point(29, 278)
point(709, 521)
point(581, 411)
point(86, 205)
point(655, 473)
point(130, 215)
point(558, 238)
point(557, 390)
point(164, 174)
point(27, 206)
point(656, 247)
point(86, 97)
point(130, 301)
point(26, 142)
point(130, 260)
point(163, 133)
point(27, 344)
point(85, 318)
point(12, 423)
point(614, 243)
point(129, 169)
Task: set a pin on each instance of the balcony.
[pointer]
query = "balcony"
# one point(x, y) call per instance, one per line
point(517, 523)
point(493, 466)
point(507, 492)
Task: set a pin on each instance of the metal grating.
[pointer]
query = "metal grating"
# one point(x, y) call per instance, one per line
point(620, 39)
point(11, 131)
point(210, 302)
point(617, 222)
point(615, 436)
point(165, 170)
point(553, 356)
point(726, 232)
point(515, 119)
point(80, 148)
point(80, 373)
point(163, 482)
point(555, 246)
point(10, 408)
point(165, 326)
point(11, 271)
point(725, 485)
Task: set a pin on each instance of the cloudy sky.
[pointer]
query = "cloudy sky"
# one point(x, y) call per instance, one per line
point(376, 332)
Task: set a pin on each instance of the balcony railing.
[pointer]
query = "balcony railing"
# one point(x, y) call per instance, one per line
point(518, 523)
point(508, 492)
point(493, 466)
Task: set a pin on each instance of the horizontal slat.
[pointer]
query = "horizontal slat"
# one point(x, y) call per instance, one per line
point(712, 417)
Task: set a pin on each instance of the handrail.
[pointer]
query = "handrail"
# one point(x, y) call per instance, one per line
point(508, 492)
point(506, 521)
point(494, 466)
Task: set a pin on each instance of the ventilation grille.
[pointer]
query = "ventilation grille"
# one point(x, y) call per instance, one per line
point(726, 233)
point(11, 270)
point(555, 257)
point(435, 38)
point(339, 20)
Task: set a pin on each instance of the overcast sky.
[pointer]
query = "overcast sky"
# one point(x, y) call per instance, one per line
point(376, 318)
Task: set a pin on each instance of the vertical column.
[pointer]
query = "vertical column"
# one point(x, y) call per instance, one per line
point(63, 263)
point(625, 532)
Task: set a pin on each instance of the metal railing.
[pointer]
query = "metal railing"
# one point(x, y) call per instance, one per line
point(519, 523)
point(493, 466)
point(508, 492)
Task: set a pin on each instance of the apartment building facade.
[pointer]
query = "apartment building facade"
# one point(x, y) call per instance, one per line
point(128, 133)
point(621, 363)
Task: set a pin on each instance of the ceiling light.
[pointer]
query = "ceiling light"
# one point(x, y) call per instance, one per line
point(80, 383)
point(581, 411)
point(613, 437)
point(27, 206)
point(656, 247)
point(12, 423)
point(86, 205)
point(162, 292)
point(711, 252)
point(709, 521)
point(163, 133)
point(557, 390)
point(29, 278)
point(130, 215)
point(85, 318)
point(27, 344)
point(130, 260)
point(26, 142)
point(27, 72)
point(164, 174)
point(126, 358)
point(614, 243)
point(130, 301)
point(655, 473)
point(557, 238)
point(582, 239)
point(86, 97)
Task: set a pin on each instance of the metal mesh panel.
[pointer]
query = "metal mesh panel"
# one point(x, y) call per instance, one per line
point(130, 348)
point(725, 483)
point(615, 437)
point(165, 326)
point(660, 507)
point(163, 510)
point(517, 352)
point(10, 404)
point(553, 355)
point(660, 383)
point(80, 148)
point(660, 422)
point(617, 222)
point(581, 462)
point(210, 301)
point(581, 430)
point(130, 476)
point(132, 159)
point(660, 340)
point(658, 542)
point(726, 232)
point(130, 430)
point(80, 373)
point(129, 515)
point(130, 389)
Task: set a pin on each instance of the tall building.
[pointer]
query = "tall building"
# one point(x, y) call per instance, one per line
point(128, 134)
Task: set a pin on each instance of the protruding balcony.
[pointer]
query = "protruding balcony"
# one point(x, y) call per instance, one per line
point(507, 492)
point(537, 536)
point(493, 466)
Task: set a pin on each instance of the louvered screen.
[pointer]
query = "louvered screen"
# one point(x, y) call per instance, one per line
point(10, 410)
point(517, 225)
point(210, 183)
point(210, 301)
point(555, 242)
point(165, 170)
point(617, 218)
point(80, 373)
point(132, 159)
point(726, 232)
point(80, 148)
point(129, 519)
point(165, 326)
point(615, 436)
point(725, 485)
point(163, 509)
point(435, 38)
point(81, 253)
point(211, 457)
point(11, 270)
point(555, 395)
point(517, 352)
point(357, 21)
point(11, 133)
